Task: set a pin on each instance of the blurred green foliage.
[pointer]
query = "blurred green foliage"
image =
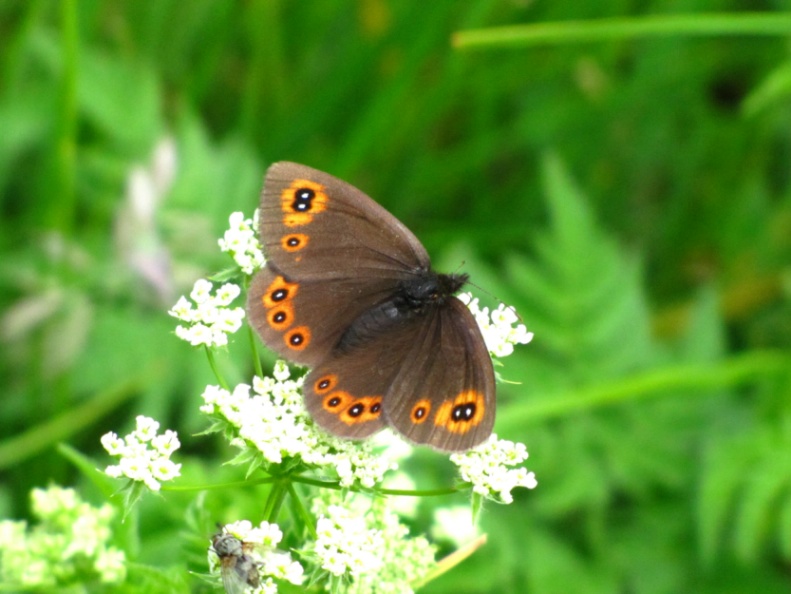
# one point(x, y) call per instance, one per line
point(630, 196)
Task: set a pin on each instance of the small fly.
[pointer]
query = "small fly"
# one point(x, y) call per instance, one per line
point(239, 569)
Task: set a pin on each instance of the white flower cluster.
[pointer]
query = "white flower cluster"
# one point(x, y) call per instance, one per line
point(69, 545)
point(273, 420)
point(211, 320)
point(497, 326)
point(145, 456)
point(487, 468)
point(241, 242)
point(364, 541)
point(345, 544)
point(260, 543)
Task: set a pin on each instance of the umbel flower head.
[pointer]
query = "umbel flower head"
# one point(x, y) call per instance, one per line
point(270, 418)
point(144, 455)
point(363, 543)
point(241, 243)
point(487, 468)
point(70, 544)
point(208, 317)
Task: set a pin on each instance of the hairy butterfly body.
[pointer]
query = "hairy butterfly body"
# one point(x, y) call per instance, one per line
point(349, 291)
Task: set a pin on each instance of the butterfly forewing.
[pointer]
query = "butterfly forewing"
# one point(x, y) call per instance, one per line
point(314, 225)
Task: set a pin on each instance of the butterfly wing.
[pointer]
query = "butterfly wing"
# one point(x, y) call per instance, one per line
point(444, 393)
point(344, 393)
point(316, 226)
point(303, 320)
point(431, 379)
point(332, 254)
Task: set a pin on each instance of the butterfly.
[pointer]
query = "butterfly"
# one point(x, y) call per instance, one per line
point(239, 570)
point(348, 291)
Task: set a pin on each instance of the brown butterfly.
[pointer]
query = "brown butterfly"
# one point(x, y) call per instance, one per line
point(348, 290)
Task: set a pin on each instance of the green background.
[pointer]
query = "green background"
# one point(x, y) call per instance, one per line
point(629, 193)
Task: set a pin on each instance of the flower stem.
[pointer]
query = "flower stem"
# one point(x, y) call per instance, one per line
point(213, 365)
point(259, 371)
point(275, 500)
point(300, 511)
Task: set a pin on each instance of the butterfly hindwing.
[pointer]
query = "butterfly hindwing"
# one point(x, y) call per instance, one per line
point(344, 394)
point(430, 378)
point(444, 392)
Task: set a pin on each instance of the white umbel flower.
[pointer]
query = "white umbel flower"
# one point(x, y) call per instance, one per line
point(487, 468)
point(144, 455)
point(208, 316)
point(270, 417)
point(241, 242)
point(497, 326)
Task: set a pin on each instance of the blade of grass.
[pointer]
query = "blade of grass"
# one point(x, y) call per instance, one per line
point(15, 449)
point(706, 24)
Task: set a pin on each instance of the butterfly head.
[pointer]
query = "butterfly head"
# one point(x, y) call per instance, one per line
point(429, 289)
point(449, 284)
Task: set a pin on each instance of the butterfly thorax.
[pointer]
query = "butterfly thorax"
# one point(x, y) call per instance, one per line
point(416, 296)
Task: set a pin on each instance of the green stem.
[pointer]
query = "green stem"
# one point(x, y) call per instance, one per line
point(709, 24)
point(259, 370)
point(218, 486)
point(316, 483)
point(337, 486)
point(62, 203)
point(300, 511)
point(251, 337)
point(425, 492)
point(275, 500)
point(214, 368)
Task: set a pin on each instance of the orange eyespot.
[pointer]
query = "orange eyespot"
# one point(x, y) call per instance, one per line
point(462, 413)
point(297, 339)
point(362, 410)
point(279, 291)
point(280, 317)
point(325, 383)
point(294, 242)
point(336, 402)
point(301, 201)
point(420, 412)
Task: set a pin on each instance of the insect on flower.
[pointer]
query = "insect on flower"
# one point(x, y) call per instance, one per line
point(238, 568)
